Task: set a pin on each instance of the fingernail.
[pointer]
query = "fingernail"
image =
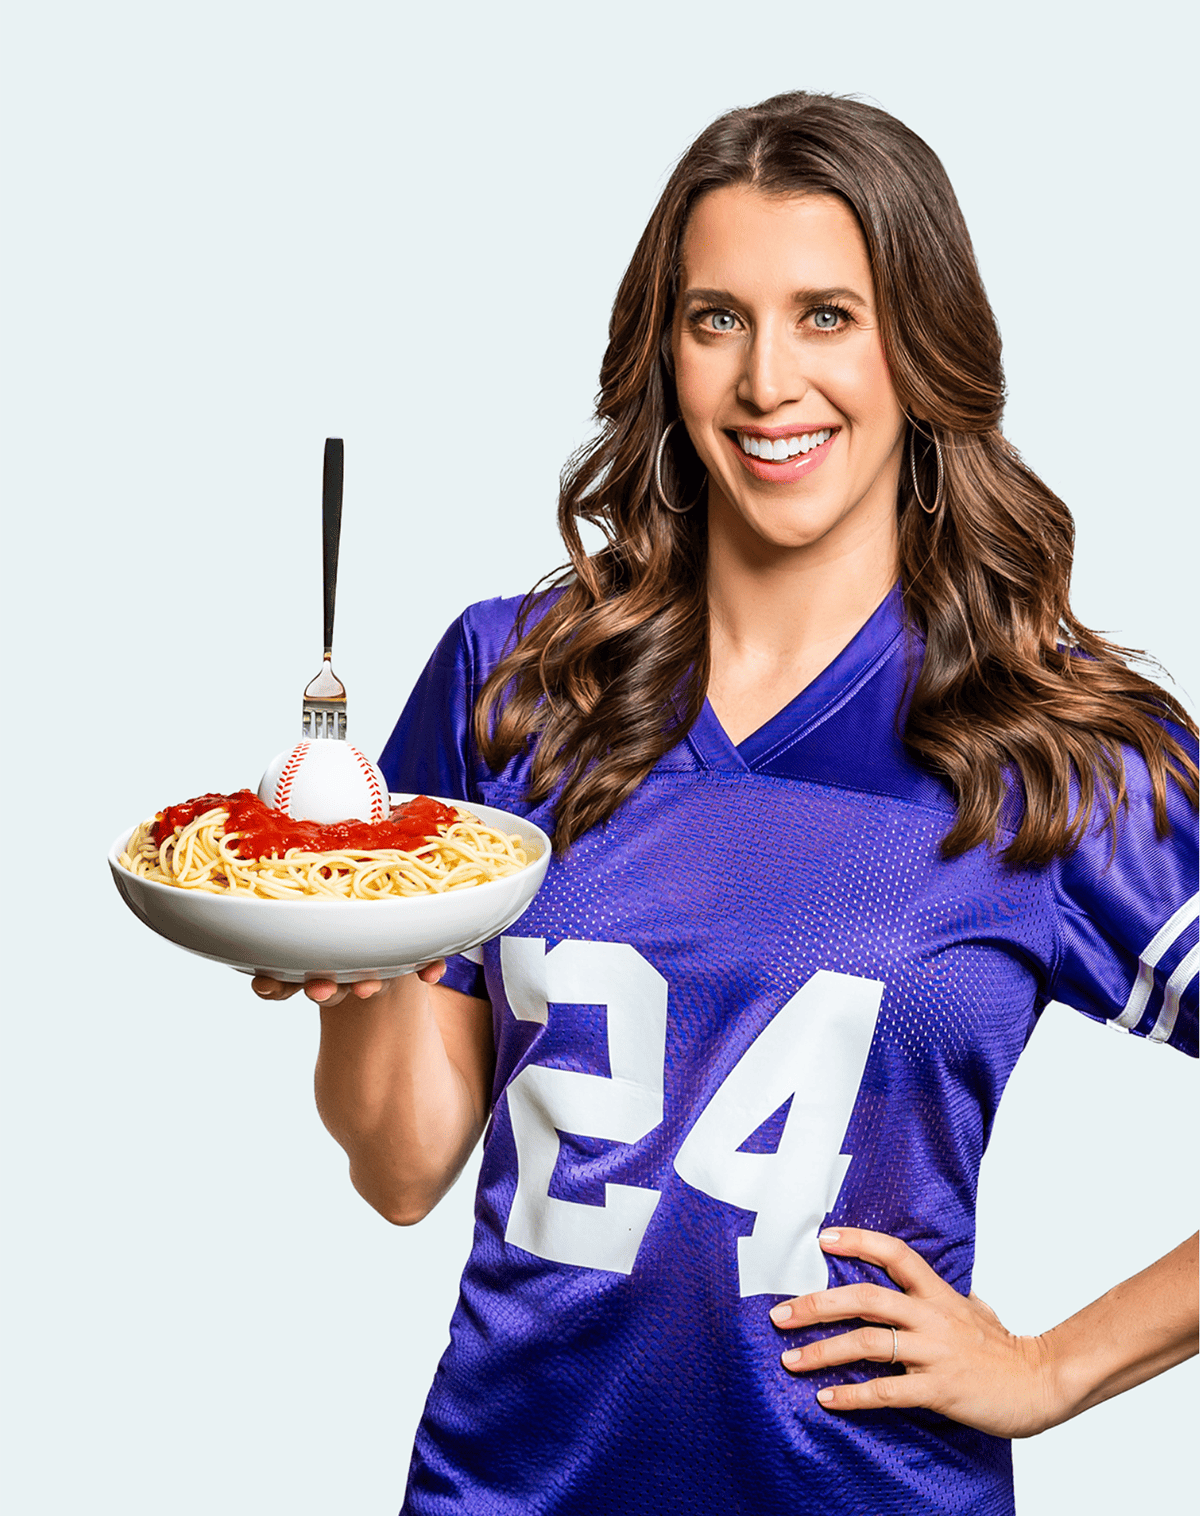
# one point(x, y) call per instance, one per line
point(781, 1313)
point(791, 1359)
point(831, 1234)
point(825, 1396)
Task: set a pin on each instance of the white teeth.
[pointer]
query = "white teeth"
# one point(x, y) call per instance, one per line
point(783, 447)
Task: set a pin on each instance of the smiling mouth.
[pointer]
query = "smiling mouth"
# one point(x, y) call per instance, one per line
point(785, 457)
point(780, 449)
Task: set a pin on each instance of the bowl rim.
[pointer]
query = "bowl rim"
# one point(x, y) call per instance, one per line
point(236, 901)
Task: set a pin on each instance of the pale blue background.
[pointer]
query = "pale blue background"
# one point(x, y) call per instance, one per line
point(235, 229)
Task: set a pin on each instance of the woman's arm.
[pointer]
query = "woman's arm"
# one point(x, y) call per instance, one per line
point(1138, 1329)
point(961, 1361)
point(403, 1083)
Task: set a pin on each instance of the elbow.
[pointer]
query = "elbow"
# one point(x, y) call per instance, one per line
point(401, 1205)
point(404, 1193)
point(403, 1214)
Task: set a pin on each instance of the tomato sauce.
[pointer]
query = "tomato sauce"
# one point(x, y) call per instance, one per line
point(264, 832)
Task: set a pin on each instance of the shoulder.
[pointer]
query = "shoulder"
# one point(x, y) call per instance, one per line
point(432, 747)
point(489, 629)
point(1132, 844)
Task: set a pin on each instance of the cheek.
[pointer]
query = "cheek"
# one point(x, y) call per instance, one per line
point(704, 376)
point(861, 386)
point(693, 385)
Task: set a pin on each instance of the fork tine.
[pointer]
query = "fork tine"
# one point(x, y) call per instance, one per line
point(324, 719)
point(324, 709)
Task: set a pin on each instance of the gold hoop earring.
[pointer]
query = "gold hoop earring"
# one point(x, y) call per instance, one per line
point(676, 510)
point(930, 510)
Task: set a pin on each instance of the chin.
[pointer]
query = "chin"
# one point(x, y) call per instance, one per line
point(786, 526)
point(799, 538)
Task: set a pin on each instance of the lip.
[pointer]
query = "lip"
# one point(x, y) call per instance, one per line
point(775, 432)
point(786, 470)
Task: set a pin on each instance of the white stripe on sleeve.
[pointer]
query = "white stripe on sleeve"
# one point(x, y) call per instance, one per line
point(1176, 985)
point(1155, 948)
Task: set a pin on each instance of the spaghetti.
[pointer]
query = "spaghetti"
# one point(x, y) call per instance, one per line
point(234, 844)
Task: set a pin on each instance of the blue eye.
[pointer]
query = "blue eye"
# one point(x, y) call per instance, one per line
point(722, 321)
point(826, 319)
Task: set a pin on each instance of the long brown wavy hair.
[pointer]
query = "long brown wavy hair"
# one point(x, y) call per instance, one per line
point(611, 663)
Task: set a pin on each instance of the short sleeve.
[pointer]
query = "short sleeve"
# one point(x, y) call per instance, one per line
point(1129, 917)
point(428, 753)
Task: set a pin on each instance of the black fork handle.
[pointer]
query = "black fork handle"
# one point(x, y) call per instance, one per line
point(331, 528)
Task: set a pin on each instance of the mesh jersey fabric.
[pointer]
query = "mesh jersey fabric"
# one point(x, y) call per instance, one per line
point(754, 1002)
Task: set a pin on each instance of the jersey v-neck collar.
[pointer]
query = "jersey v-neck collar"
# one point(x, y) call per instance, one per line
point(867, 651)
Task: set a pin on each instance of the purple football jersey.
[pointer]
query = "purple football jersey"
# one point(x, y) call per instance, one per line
point(754, 1002)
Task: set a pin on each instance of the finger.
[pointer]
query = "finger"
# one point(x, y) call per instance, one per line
point(432, 973)
point(325, 991)
point(872, 1344)
point(267, 988)
point(871, 1394)
point(871, 1302)
point(902, 1263)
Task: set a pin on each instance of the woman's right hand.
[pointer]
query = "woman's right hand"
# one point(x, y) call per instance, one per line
point(327, 992)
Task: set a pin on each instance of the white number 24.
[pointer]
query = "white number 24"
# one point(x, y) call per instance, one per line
point(814, 1050)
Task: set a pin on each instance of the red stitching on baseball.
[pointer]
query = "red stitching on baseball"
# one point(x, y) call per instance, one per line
point(379, 806)
point(283, 785)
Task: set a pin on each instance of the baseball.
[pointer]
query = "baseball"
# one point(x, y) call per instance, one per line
point(325, 780)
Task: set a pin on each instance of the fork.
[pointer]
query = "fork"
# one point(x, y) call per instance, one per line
point(325, 698)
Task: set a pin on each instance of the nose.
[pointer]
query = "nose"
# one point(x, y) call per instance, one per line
point(772, 375)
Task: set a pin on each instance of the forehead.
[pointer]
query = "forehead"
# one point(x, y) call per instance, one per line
point(739, 238)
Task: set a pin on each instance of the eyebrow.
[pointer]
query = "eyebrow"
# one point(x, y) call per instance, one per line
point(830, 296)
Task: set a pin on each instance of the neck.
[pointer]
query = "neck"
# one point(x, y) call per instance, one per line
point(779, 615)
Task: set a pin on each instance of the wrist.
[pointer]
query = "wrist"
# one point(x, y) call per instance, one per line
point(1077, 1371)
point(1056, 1380)
point(1045, 1396)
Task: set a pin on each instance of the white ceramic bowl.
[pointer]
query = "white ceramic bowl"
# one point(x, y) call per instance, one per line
point(295, 940)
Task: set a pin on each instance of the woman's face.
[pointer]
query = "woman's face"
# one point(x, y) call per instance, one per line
point(777, 353)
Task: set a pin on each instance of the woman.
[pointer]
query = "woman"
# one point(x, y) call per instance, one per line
point(842, 795)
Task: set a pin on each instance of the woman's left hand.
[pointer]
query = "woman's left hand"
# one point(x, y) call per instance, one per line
point(958, 1358)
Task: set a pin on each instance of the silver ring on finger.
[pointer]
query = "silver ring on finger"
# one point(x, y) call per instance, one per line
point(895, 1345)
